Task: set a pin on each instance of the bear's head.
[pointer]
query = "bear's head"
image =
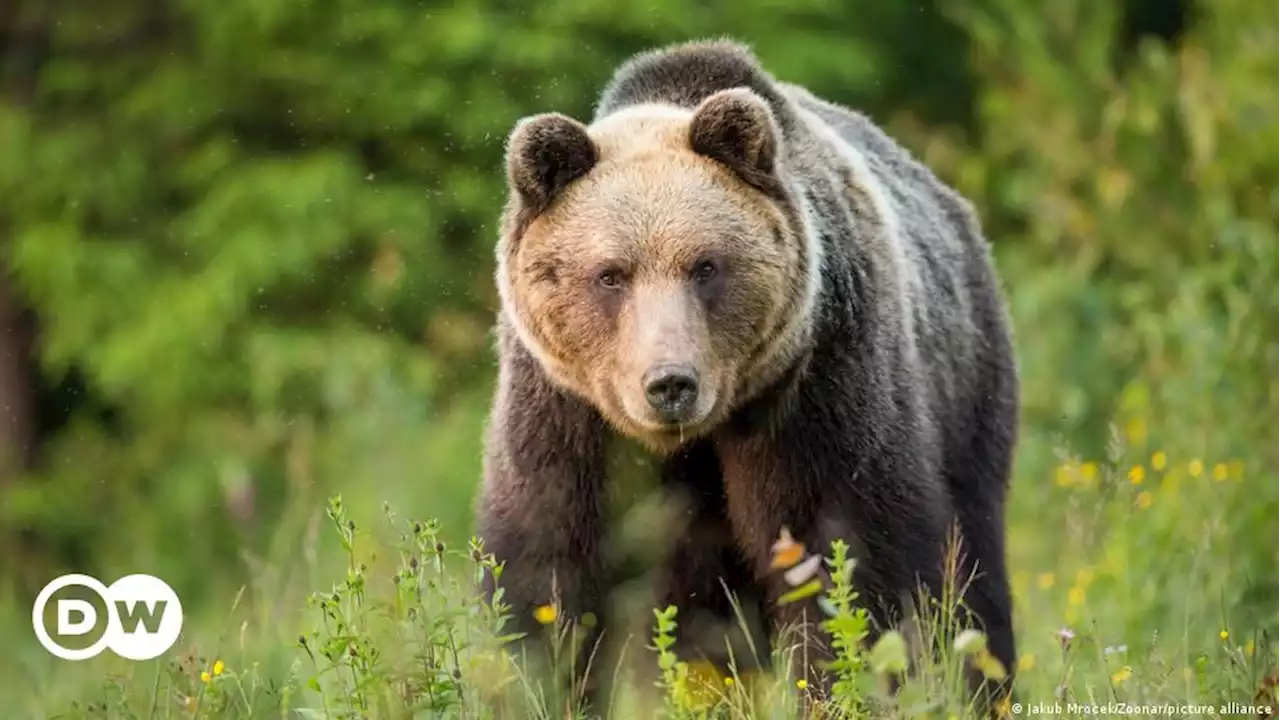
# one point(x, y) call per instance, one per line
point(657, 263)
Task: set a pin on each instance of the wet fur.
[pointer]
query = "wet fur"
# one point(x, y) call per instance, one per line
point(885, 413)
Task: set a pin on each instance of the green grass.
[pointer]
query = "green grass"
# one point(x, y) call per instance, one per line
point(1124, 595)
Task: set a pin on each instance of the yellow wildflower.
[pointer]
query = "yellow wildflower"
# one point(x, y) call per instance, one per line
point(1063, 475)
point(1159, 460)
point(204, 676)
point(989, 666)
point(1121, 675)
point(1046, 580)
point(1144, 499)
point(1076, 596)
point(1224, 635)
point(1220, 472)
point(703, 675)
point(1089, 472)
point(696, 690)
point(545, 614)
point(802, 683)
point(1026, 662)
point(728, 680)
point(1195, 467)
point(218, 667)
point(1137, 474)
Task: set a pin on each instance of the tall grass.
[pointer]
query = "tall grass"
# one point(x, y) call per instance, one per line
point(401, 631)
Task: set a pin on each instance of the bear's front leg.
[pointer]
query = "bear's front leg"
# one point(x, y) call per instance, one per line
point(822, 486)
point(540, 515)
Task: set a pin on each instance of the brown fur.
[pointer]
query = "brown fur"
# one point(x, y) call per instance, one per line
point(854, 364)
point(710, 204)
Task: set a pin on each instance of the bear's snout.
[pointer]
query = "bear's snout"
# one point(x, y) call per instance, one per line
point(672, 391)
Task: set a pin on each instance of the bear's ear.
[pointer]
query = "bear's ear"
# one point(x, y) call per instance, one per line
point(544, 154)
point(736, 127)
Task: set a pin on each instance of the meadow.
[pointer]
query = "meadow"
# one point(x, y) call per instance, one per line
point(244, 340)
point(391, 625)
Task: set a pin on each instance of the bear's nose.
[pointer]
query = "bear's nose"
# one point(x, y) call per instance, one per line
point(672, 391)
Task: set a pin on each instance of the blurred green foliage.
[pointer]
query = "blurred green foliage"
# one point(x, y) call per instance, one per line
point(256, 239)
point(1131, 193)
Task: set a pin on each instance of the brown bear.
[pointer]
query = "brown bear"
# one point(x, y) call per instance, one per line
point(794, 318)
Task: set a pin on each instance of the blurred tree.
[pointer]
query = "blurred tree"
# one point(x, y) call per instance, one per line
point(261, 231)
point(257, 234)
point(1163, 19)
point(21, 49)
point(1134, 208)
point(17, 411)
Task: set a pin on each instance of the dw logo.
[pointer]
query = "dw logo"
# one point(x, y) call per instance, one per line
point(143, 617)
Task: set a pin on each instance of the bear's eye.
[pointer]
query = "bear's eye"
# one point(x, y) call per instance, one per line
point(610, 279)
point(704, 271)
